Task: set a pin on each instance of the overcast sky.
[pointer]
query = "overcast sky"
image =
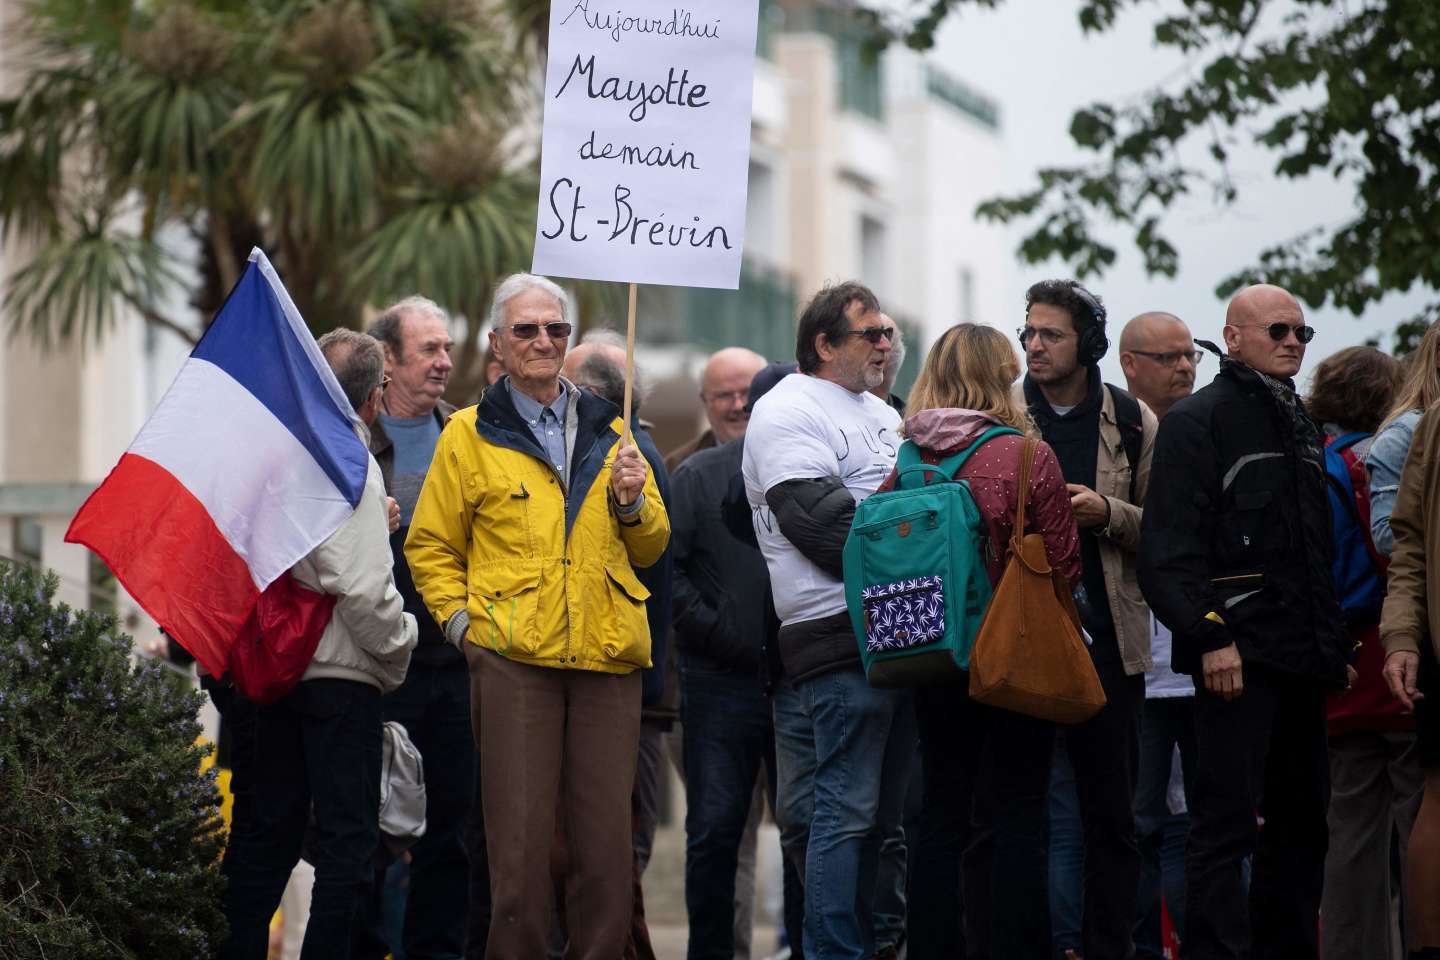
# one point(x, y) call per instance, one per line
point(1032, 56)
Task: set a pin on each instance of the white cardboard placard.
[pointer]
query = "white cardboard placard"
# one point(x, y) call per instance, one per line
point(646, 143)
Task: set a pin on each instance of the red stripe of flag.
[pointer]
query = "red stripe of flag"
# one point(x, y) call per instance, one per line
point(164, 548)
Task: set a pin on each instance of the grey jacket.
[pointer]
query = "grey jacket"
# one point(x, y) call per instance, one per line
point(369, 636)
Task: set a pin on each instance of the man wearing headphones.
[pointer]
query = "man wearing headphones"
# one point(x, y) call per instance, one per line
point(1103, 438)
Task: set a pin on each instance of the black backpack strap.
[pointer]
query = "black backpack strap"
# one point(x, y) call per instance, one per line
point(1132, 430)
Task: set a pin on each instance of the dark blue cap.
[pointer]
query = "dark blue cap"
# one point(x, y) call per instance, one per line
point(769, 375)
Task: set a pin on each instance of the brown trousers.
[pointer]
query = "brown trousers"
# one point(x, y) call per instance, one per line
point(557, 750)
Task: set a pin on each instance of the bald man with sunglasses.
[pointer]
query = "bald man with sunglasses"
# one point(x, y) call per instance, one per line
point(1235, 557)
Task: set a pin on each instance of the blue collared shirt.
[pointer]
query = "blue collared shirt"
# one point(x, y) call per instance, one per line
point(546, 422)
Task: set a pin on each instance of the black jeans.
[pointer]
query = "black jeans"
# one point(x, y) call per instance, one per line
point(1166, 723)
point(978, 884)
point(319, 748)
point(729, 738)
point(1262, 753)
point(1104, 752)
point(433, 704)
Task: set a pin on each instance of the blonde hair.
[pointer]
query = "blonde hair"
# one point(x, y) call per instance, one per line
point(973, 367)
point(1421, 386)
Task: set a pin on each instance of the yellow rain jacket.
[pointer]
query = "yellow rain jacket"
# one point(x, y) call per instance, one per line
point(548, 577)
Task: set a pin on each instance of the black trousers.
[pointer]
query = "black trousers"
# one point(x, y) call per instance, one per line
point(317, 748)
point(1261, 755)
point(1105, 754)
point(979, 865)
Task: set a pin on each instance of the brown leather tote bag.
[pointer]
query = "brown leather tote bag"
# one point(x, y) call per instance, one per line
point(1029, 655)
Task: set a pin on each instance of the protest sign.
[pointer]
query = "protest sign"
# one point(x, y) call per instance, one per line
point(646, 141)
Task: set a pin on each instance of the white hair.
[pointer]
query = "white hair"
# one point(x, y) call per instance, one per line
point(896, 358)
point(516, 284)
point(604, 337)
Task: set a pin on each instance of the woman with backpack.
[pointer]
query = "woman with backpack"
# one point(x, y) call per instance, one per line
point(986, 770)
point(1374, 771)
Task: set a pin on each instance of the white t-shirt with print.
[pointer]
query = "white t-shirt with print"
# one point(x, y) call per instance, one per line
point(808, 428)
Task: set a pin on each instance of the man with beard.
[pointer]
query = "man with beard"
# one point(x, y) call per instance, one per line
point(817, 443)
point(1103, 438)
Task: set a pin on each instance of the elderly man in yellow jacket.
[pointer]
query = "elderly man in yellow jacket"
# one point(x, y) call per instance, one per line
point(524, 545)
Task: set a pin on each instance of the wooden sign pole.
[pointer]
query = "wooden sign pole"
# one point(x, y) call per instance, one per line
point(627, 439)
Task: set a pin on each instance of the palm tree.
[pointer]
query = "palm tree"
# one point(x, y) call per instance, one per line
point(358, 141)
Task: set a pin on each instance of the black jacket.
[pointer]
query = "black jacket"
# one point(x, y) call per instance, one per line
point(815, 516)
point(720, 582)
point(1235, 545)
point(432, 647)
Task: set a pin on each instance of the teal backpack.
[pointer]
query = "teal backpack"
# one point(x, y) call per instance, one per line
point(915, 580)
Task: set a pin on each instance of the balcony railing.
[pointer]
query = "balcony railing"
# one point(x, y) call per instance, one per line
point(760, 315)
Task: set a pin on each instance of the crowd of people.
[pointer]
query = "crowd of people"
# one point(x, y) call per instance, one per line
point(560, 611)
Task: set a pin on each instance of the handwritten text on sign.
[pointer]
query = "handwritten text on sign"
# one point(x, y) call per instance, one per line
point(646, 141)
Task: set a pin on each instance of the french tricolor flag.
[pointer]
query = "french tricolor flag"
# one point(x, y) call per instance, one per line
point(249, 462)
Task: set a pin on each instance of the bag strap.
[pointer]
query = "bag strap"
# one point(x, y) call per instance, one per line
point(1022, 490)
point(908, 460)
point(1132, 430)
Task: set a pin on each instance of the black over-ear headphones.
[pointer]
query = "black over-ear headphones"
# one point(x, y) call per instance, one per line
point(1092, 344)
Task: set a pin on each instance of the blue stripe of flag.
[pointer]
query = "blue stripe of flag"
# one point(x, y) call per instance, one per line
point(252, 341)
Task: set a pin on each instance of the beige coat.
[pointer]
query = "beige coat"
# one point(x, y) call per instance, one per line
point(1413, 581)
point(1120, 540)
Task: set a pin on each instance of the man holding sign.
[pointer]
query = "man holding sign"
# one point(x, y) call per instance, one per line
point(524, 545)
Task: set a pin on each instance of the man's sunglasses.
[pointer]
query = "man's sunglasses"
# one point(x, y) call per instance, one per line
point(874, 334)
point(556, 330)
point(1279, 331)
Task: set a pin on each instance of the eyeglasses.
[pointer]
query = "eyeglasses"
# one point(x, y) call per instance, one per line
point(1279, 331)
point(731, 397)
point(384, 382)
point(555, 330)
point(873, 334)
point(1051, 337)
point(1172, 358)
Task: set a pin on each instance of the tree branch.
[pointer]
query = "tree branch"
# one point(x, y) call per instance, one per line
point(152, 317)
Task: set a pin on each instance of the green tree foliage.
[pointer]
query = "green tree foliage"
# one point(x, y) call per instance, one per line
point(357, 141)
point(1343, 89)
point(109, 834)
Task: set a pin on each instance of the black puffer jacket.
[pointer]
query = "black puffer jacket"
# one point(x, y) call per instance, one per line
point(720, 582)
point(1235, 546)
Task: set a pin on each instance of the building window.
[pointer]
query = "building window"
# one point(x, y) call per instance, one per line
point(760, 214)
point(29, 539)
point(103, 589)
point(873, 265)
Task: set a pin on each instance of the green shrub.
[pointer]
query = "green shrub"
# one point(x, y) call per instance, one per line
point(109, 834)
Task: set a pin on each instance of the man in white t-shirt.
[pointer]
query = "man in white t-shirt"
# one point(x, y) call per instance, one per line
point(817, 444)
point(1159, 359)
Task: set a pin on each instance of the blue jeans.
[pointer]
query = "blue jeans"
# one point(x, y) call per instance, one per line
point(1165, 723)
point(857, 744)
point(317, 749)
point(729, 739)
point(794, 796)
